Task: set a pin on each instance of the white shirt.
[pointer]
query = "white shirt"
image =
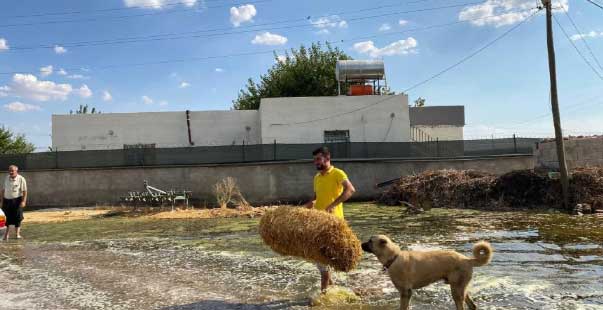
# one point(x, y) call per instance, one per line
point(14, 188)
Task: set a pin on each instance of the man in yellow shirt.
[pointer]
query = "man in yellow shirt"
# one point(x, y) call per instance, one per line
point(331, 189)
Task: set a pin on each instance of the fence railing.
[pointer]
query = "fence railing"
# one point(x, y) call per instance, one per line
point(263, 153)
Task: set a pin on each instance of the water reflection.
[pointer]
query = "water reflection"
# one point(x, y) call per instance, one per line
point(542, 261)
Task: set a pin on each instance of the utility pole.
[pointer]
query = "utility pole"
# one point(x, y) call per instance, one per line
point(555, 104)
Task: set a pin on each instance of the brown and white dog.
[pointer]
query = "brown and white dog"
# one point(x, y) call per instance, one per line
point(410, 270)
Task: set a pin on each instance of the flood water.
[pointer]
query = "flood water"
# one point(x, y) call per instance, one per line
point(541, 261)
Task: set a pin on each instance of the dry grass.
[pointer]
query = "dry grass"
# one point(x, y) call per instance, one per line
point(42, 216)
point(227, 193)
point(313, 235)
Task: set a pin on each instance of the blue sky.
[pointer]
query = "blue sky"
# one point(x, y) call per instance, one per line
point(173, 55)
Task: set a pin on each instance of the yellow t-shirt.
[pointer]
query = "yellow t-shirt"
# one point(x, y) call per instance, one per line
point(327, 188)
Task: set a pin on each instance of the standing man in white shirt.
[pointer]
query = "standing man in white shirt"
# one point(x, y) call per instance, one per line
point(14, 199)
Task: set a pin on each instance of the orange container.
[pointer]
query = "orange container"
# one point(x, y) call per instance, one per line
point(361, 90)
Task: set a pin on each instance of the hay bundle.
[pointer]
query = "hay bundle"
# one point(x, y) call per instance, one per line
point(312, 235)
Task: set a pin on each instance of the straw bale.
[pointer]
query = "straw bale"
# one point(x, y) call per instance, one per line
point(313, 235)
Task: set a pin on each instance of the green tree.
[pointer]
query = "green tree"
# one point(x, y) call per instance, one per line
point(307, 71)
point(420, 102)
point(84, 110)
point(11, 143)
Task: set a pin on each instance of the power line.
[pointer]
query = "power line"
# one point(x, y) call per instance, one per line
point(269, 51)
point(596, 4)
point(122, 17)
point(196, 34)
point(582, 38)
point(423, 82)
point(472, 54)
point(128, 39)
point(577, 49)
point(168, 4)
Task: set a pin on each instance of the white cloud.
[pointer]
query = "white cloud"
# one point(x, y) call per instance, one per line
point(107, 96)
point(84, 91)
point(333, 21)
point(323, 31)
point(592, 34)
point(46, 71)
point(242, 14)
point(184, 85)
point(147, 100)
point(59, 49)
point(28, 86)
point(77, 77)
point(401, 47)
point(21, 107)
point(402, 22)
point(62, 72)
point(219, 70)
point(157, 4)
point(508, 12)
point(268, 38)
point(163, 103)
point(385, 27)
point(3, 45)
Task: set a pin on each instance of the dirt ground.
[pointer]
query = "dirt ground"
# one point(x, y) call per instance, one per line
point(65, 215)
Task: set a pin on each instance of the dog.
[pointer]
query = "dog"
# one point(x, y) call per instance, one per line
point(410, 270)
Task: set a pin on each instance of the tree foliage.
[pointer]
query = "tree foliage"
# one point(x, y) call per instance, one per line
point(420, 102)
point(84, 110)
point(307, 71)
point(11, 143)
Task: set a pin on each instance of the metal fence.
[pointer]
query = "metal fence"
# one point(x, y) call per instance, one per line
point(263, 153)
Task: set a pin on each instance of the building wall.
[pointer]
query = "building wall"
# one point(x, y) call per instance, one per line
point(442, 132)
point(259, 182)
point(587, 152)
point(165, 129)
point(304, 119)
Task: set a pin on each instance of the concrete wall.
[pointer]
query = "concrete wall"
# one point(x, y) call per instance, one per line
point(442, 132)
point(304, 119)
point(165, 129)
point(271, 182)
point(586, 152)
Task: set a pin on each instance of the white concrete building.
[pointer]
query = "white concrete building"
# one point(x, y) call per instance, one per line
point(284, 120)
point(335, 119)
point(437, 122)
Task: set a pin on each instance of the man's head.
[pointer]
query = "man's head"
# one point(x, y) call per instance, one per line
point(13, 171)
point(322, 158)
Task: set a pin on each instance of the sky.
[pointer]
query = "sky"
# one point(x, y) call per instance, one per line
point(174, 55)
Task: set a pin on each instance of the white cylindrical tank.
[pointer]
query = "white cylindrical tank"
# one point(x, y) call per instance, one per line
point(359, 70)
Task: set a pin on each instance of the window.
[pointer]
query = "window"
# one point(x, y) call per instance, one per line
point(337, 136)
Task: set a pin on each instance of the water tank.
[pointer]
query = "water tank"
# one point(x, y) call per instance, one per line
point(359, 70)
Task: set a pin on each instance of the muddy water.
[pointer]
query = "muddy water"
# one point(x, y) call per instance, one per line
point(542, 261)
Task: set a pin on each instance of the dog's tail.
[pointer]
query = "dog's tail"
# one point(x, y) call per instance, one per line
point(482, 253)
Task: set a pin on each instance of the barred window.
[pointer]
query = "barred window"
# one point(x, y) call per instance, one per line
point(337, 136)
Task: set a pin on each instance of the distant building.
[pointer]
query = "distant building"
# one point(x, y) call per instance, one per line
point(363, 115)
point(437, 122)
point(284, 120)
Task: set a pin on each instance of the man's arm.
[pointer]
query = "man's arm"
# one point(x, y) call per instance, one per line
point(24, 200)
point(348, 191)
point(310, 204)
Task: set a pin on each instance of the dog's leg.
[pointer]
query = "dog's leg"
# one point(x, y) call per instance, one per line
point(405, 295)
point(470, 304)
point(458, 294)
